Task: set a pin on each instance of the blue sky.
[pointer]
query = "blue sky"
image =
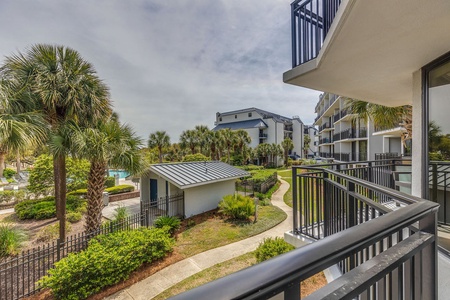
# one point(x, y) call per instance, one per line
point(171, 65)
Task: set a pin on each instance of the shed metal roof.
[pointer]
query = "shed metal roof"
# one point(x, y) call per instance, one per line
point(255, 123)
point(190, 174)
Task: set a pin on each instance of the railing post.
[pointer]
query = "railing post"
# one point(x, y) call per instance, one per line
point(429, 259)
point(435, 182)
point(294, 200)
point(326, 205)
point(167, 205)
point(58, 253)
point(351, 213)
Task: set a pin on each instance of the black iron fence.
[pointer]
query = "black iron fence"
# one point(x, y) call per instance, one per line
point(249, 186)
point(19, 274)
point(381, 253)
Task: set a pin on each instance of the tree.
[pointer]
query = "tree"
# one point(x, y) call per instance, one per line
point(188, 139)
point(243, 139)
point(384, 116)
point(109, 144)
point(201, 132)
point(214, 141)
point(159, 140)
point(229, 140)
point(65, 89)
point(275, 150)
point(306, 144)
point(287, 145)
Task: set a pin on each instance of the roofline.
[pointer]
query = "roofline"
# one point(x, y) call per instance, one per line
point(253, 109)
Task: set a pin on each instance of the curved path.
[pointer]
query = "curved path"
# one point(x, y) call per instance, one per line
point(171, 275)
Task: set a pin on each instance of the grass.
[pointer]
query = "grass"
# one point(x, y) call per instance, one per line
point(11, 239)
point(228, 267)
point(217, 231)
point(286, 175)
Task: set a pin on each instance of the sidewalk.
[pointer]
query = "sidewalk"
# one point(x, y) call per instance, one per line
point(171, 275)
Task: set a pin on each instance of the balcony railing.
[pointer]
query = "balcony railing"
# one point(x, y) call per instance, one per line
point(310, 22)
point(326, 155)
point(352, 133)
point(381, 253)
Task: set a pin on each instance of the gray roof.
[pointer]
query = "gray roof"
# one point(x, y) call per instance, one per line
point(255, 123)
point(190, 174)
point(265, 114)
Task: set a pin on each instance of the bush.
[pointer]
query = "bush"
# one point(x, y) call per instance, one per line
point(272, 247)
point(8, 173)
point(10, 240)
point(108, 260)
point(110, 182)
point(74, 217)
point(123, 188)
point(173, 223)
point(237, 206)
point(45, 208)
point(195, 157)
point(120, 214)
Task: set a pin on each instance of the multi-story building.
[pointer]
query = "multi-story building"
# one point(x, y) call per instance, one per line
point(313, 134)
point(263, 127)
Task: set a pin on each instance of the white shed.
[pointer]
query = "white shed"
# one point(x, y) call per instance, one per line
point(202, 183)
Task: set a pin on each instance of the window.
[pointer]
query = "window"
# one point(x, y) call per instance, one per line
point(249, 115)
point(220, 119)
point(235, 116)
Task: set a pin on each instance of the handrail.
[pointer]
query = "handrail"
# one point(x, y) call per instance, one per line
point(270, 277)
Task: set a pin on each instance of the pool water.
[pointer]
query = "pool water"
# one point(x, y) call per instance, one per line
point(122, 174)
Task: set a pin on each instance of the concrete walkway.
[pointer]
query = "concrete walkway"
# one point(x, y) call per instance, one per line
point(171, 275)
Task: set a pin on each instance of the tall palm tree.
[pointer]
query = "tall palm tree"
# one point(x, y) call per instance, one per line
point(214, 142)
point(287, 145)
point(161, 141)
point(384, 116)
point(188, 139)
point(64, 88)
point(109, 144)
point(243, 139)
point(229, 141)
point(306, 144)
point(201, 132)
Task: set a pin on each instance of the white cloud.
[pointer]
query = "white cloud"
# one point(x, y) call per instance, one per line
point(171, 64)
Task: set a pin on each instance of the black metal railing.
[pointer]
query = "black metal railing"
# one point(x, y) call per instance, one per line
point(352, 133)
point(19, 274)
point(439, 184)
point(382, 254)
point(326, 154)
point(310, 22)
point(388, 155)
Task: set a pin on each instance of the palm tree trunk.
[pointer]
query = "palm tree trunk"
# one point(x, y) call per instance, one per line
point(96, 185)
point(18, 162)
point(59, 168)
point(2, 162)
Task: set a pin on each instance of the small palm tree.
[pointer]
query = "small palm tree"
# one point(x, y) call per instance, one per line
point(287, 145)
point(159, 140)
point(306, 144)
point(109, 144)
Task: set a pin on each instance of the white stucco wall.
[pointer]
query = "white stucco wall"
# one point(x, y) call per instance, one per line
point(297, 137)
point(418, 171)
point(237, 117)
point(206, 197)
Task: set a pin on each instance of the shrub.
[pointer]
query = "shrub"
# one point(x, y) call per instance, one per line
point(173, 223)
point(74, 217)
point(51, 232)
point(237, 206)
point(195, 157)
point(8, 173)
point(272, 247)
point(45, 208)
point(110, 182)
point(10, 240)
point(108, 259)
point(123, 188)
point(120, 213)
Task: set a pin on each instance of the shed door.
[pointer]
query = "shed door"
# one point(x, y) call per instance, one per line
point(153, 191)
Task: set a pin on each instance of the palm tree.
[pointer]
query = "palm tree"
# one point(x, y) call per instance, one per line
point(109, 144)
point(160, 140)
point(275, 150)
point(306, 144)
point(263, 151)
point(64, 88)
point(188, 139)
point(201, 132)
point(384, 116)
point(243, 139)
point(214, 142)
point(229, 141)
point(287, 145)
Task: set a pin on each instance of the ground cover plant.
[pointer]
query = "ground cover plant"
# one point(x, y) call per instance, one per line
point(11, 239)
point(272, 247)
point(237, 206)
point(45, 208)
point(108, 259)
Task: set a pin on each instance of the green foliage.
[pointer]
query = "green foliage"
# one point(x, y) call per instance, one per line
point(435, 156)
point(195, 157)
point(108, 260)
point(74, 217)
point(11, 239)
point(173, 223)
point(45, 208)
point(9, 196)
point(110, 182)
point(251, 167)
point(41, 181)
point(272, 247)
point(237, 206)
point(8, 173)
point(123, 188)
point(120, 214)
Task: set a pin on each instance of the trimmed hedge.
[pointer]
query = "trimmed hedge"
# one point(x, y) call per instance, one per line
point(108, 260)
point(123, 188)
point(45, 208)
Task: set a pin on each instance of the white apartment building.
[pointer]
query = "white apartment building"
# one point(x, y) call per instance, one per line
point(313, 133)
point(264, 127)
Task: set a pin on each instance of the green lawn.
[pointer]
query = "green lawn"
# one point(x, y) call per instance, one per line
point(217, 231)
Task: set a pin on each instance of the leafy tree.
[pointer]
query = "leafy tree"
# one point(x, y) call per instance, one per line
point(41, 176)
point(306, 144)
point(159, 140)
point(195, 157)
point(66, 90)
point(243, 140)
point(287, 145)
point(188, 140)
point(229, 141)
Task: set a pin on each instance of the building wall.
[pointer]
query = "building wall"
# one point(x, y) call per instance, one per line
point(254, 136)
point(206, 197)
point(297, 137)
point(244, 116)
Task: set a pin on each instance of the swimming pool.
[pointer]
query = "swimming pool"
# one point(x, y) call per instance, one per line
point(122, 173)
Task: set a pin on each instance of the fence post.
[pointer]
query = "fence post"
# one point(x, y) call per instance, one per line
point(294, 200)
point(429, 258)
point(58, 246)
point(167, 205)
point(147, 218)
point(326, 206)
point(435, 182)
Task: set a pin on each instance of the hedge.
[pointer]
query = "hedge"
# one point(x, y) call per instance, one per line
point(45, 208)
point(271, 247)
point(123, 188)
point(108, 260)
